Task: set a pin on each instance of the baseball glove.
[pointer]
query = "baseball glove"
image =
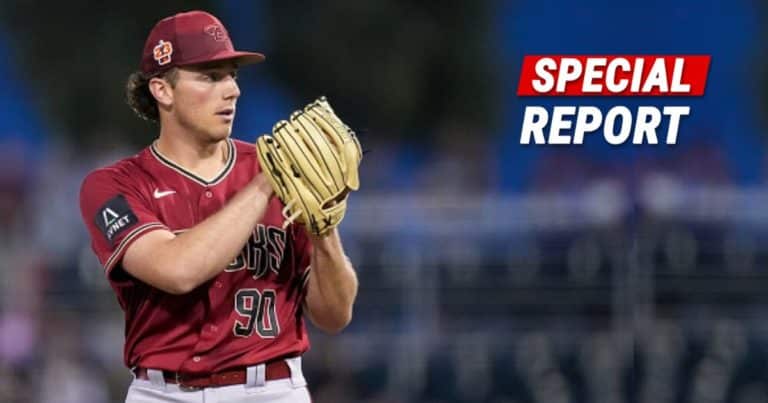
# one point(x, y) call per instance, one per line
point(312, 162)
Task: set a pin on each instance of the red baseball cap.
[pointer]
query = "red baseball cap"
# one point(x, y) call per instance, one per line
point(190, 38)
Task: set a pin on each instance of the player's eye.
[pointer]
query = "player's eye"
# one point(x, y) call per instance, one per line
point(218, 76)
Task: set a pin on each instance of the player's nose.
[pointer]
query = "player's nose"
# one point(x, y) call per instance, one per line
point(232, 90)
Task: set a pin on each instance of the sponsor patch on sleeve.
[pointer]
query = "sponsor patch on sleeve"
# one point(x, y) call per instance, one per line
point(114, 217)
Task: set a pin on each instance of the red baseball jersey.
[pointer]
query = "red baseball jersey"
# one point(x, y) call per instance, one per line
point(250, 313)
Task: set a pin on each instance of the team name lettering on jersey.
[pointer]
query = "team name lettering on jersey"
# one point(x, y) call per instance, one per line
point(263, 251)
point(114, 217)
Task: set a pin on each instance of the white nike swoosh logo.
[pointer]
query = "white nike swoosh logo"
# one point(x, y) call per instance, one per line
point(158, 194)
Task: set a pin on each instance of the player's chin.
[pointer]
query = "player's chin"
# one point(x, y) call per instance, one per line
point(221, 131)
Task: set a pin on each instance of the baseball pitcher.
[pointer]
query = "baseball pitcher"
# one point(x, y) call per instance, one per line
point(215, 248)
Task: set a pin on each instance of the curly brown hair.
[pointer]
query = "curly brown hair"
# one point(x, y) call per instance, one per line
point(140, 99)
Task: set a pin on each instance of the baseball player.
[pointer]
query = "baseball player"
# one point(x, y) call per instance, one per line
point(213, 284)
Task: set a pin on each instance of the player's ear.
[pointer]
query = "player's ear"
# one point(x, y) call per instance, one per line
point(162, 89)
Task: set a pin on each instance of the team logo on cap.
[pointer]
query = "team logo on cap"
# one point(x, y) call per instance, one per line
point(217, 32)
point(163, 52)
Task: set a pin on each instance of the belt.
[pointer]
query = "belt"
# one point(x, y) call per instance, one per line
point(274, 370)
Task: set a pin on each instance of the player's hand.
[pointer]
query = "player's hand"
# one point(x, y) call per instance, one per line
point(311, 161)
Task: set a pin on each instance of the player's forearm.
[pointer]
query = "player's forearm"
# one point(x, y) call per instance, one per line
point(332, 287)
point(204, 251)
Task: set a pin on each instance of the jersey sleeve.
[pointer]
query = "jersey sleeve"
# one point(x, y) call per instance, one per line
point(115, 213)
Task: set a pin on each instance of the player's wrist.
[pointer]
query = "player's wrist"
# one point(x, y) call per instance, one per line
point(328, 241)
point(262, 185)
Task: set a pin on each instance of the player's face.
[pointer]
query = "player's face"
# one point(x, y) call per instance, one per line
point(205, 97)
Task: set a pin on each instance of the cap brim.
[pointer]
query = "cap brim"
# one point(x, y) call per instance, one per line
point(244, 58)
point(241, 58)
